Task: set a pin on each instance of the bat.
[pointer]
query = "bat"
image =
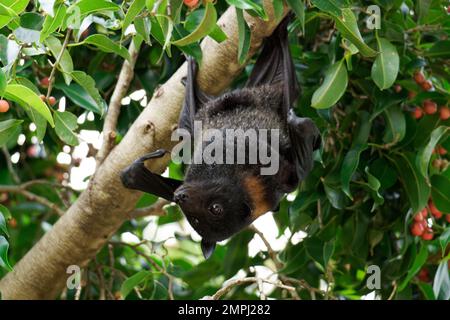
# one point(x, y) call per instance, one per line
point(220, 199)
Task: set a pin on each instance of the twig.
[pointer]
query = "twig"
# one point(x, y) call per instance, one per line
point(32, 197)
point(304, 285)
point(112, 116)
point(51, 78)
point(233, 283)
point(155, 209)
point(10, 165)
point(272, 253)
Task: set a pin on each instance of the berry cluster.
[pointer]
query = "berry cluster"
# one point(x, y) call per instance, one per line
point(420, 228)
point(428, 106)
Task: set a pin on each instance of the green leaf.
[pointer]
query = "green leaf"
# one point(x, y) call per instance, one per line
point(347, 25)
point(4, 245)
point(278, 9)
point(130, 283)
point(395, 124)
point(444, 240)
point(88, 83)
point(105, 44)
point(349, 166)
point(9, 51)
point(440, 49)
point(244, 36)
point(135, 8)
point(26, 97)
point(332, 88)
point(249, 5)
point(65, 123)
point(422, 8)
point(427, 290)
point(440, 186)
point(375, 185)
point(10, 9)
point(4, 214)
point(333, 7)
point(207, 25)
point(78, 95)
point(143, 28)
point(237, 253)
point(424, 155)
point(38, 120)
point(416, 188)
point(419, 261)
point(88, 6)
point(66, 63)
point(2, 82)
point(7, 129)
point(441, 283)
point(298, 6)
point(52, 23)
point(218, 35)
point(386, 65)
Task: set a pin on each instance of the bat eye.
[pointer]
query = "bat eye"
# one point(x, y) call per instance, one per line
point(216, 209)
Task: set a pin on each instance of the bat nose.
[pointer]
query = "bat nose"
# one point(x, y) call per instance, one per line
point(180, 197)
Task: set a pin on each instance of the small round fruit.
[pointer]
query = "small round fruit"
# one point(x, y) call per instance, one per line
point(442, 151)
point(190, 3)
point(444, 113)
point(45, 82)
point(419, 77)
point(427, 85)
point(447, 217)
point(42, 97)
point(434, 211)
point(430, 107)
point(418, 217)
point(418, 113)
point(411, 95)
point(52, 100)
point(12, 223)
point(4, 106)
point(428, 235)
point(424, 213)
point(417, 229)
point(397, 88)
point(424, 275)
point(437, 163)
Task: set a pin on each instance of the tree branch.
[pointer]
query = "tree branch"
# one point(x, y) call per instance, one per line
point(51, 78)
point(123, 83)
point(102, 208)
point(21, 189)
point(155, 209)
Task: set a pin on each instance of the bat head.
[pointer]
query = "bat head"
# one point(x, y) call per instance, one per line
point(216, 209)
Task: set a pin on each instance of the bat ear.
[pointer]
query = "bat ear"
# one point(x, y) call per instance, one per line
point(208, 248)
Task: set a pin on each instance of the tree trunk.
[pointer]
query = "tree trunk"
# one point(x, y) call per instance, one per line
point(102, 208)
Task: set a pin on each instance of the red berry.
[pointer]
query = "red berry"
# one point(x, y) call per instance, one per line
point(418, 113)
point(42, 97)
point(411, 95)
point(52, 100)
point(434, 211)
point(417, 229)
point(397, 88)
point(4, 106)
point(424, 213)
point(190, 3)
point(444, 112)
point(427, 85)
point(419, 77)
point(442, 151)
point(12, 223)
point(418, 217)
point(428, 235)
point(447, 217)
point(430, 107)
point(45, 82)
point(423, 275)
point(448, 11)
